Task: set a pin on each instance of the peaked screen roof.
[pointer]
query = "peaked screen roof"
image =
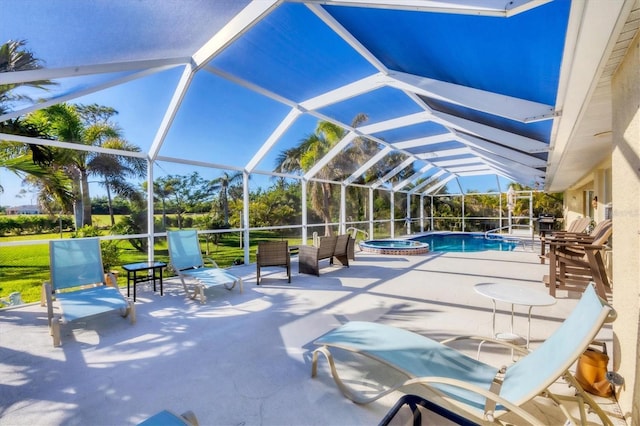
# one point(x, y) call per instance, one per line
point(452, 89)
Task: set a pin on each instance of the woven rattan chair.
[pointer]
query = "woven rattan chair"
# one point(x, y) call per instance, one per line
point(273, 253)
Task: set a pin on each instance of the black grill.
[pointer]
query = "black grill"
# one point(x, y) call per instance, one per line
point(546, 222)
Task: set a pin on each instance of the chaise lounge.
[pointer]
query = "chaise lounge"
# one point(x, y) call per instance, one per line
point(464, 385)
point(187, 261)
point(78, 285)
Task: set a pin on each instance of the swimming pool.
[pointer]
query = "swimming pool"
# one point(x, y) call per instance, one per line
point(466, 242)
point(395, 247)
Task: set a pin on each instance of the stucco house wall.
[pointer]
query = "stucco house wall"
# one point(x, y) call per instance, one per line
point(626, 228)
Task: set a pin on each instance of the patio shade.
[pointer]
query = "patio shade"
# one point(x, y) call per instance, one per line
point(452, 89)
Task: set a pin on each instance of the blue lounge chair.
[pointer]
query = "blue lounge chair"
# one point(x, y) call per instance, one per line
point(465, 385)
point(78, 285)
point(169, 418)
point(187, 261)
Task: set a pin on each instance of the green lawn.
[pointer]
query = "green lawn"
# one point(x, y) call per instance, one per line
point(25, 268)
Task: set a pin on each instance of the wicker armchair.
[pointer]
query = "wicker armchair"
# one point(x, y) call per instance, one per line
point(273, 253)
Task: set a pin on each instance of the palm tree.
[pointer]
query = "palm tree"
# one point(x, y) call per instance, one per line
point(162, 190)
point(72, 123)
point(115, 169)
point(310, 150)
point(15, 156)
point(222, 184)
point(15, 57)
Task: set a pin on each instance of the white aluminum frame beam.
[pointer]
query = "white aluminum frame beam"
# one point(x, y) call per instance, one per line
point(438, 185)
point(346, 36)
point(462, 169)
point(492, 103)
point(413, 177)
point(483, 131)
point(432, 179)
point(84, 70)
point(433, 156)
point(394, 123)
point(343, 93)
point(253, 13)
point(83, 92)
point(170, 114)
point(428, 140)
point(497, 8)
point(457, 163)
point(513, 167)
point(237, 26)
point(273, 139)
point(397, 169)
point(479, 145)
point(366, 166)
point(329, 155)
point(70, 145)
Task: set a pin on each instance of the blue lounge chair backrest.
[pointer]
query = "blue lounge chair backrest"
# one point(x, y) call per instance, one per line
point(544, 365)
point(75, 262)
point(184, 249)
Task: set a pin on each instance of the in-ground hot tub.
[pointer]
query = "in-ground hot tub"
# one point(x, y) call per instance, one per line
point(398, 247)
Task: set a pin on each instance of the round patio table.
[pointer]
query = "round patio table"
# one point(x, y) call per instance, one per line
point(514, 295)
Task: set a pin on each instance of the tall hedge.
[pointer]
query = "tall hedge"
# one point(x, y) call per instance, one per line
point(33, 224)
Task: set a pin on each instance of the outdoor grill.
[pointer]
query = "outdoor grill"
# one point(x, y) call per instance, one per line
point(546, 222)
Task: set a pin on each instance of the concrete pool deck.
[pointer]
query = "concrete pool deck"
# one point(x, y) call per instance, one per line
point(244, 359)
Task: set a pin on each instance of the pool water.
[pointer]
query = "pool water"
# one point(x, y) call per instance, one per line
point(466, 242)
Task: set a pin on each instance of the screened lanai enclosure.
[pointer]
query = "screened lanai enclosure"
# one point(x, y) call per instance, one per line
point(303, 116)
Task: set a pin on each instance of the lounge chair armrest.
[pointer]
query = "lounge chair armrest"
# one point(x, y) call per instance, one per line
point(572, 241)
point(520, 349)
point(577, 245)
point(563, 234)
point(208, 260)
point(570, 237)
point(594, 246)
